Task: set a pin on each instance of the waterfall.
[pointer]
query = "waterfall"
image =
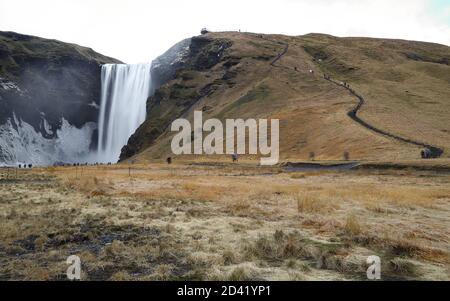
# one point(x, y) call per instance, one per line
point(125, 89)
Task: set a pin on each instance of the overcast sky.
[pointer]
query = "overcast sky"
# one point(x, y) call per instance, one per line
point(139, 30)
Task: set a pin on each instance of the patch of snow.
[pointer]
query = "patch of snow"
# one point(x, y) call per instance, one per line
point(47, 128)
point(8, 85)
point(25, 145)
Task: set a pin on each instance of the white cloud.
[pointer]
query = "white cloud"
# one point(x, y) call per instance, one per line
point(139, 30)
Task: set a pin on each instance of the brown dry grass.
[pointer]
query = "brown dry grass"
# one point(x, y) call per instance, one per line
point(220, 222)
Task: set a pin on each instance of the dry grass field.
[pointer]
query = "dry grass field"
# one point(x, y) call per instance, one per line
point(223, 222)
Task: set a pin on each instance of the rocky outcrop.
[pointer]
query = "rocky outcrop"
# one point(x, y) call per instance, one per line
point(165, 66)
point(177, 77)
point(44, 83)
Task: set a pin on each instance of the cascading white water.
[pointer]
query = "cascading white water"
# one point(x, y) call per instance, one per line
point(125, 89)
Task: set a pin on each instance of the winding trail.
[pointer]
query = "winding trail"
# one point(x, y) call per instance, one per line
point(436, 152)
point(280, 55)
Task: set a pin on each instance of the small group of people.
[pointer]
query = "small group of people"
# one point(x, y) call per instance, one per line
point(60, 164)
point(26, 166)
point(93, 164)
point(83, 164)
point(345, 84)
point(426, 153)
point(234, 158)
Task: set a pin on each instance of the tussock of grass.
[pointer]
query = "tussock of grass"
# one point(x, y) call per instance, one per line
point(229, 258)
point(163, 272)
point(309, 203)
point(239, 274)
point(352, 225)
point(121, 276)
point(403, 267)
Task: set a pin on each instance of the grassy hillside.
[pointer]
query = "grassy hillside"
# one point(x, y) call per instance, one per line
point(405, 85)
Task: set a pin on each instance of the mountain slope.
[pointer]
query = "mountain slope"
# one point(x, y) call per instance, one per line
point(45, 85)
point(242, 75)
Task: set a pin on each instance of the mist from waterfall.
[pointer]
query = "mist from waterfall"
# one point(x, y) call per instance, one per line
point(125, 89)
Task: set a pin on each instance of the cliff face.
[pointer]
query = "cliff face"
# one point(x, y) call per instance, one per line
point(177, 77)
point(45, 84)
point(405, 85)
point(165, 67)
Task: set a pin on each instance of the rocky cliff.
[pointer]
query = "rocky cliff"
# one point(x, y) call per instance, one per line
point(46, 86)
point(176, 76)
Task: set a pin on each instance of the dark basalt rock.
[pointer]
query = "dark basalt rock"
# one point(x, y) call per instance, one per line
point(206, 52)
point(164, 67)
point(41, 78)
point(427, 58)
point(197, 53)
